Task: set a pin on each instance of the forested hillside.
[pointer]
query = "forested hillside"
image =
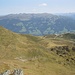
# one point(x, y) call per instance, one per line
point(38, 24)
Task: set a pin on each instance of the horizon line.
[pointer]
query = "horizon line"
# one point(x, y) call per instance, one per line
point(39, 13)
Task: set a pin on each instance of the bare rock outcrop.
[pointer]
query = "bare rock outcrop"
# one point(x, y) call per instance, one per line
point(15, 72)
point(18, 72)
point(7, 72)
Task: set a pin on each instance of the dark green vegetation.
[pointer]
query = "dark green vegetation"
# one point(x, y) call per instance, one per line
point(39, 24)
point(37, 55)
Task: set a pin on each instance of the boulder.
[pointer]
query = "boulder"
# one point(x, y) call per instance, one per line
point(7, 72)
point(18, 72)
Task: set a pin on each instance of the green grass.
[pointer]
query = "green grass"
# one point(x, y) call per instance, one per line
point(33, 54)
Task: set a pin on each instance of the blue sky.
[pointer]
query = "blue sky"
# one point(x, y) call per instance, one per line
point(36, 6)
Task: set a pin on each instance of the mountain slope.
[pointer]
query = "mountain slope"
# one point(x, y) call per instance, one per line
point(41, 55)
point(17, 43)
point(38, 24)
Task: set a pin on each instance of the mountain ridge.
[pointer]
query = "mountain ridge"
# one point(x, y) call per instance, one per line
point(38, 24)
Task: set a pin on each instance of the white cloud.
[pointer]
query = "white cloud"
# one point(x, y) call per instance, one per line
point(43, 4)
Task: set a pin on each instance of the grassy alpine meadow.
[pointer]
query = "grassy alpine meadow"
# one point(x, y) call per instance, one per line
point(37, 55)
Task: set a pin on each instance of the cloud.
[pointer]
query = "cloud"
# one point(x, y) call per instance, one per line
point(43, 4)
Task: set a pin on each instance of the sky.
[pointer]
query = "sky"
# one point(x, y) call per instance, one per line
point(36, 6)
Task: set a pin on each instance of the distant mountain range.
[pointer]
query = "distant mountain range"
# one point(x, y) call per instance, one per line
point(39, 24)
point(71, 15)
